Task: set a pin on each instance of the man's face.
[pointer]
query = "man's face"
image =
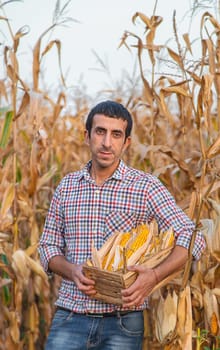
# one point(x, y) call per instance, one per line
point(107, 141)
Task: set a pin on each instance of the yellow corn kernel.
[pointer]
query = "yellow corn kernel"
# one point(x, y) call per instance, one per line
point(125, 238)
point(139, 239)
point(170, 241)
point(214, 324)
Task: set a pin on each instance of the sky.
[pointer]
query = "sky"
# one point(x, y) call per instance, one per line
point(97, 27)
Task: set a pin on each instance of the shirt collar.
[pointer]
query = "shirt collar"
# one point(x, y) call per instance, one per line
point(118, 174)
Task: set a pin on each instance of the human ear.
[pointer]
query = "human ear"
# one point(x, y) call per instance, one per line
point(86, 135)
point(127, 143)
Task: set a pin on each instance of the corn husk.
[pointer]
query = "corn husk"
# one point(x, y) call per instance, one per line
point(165, 322)
point(109, 283)
point(184, 319)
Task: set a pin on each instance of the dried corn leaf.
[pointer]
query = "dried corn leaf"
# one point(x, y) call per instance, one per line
point(34, 172)
point(58, 45)
point(150, 261)
point(165, 318)
point(3, 91)
point(43, 180)
point(112, 251)
point(210, 277)
point(4, 237)
point(167, 239)
point(34, 319)
point(192, 206)
point(24, 104)
point(18, 35)
point(209, 16)
point(177, 58)
point(6, 129)
point(36, 268)
point(164, 108)
point(214, 149)
point(95, 257)
point(117, 258)
point(20, 267)
point(184, 321)
point(32, 249)
point(14, 325)
point(107, 246)
point(177, 90)
point(7, 201)
point(211, 234)
point(216, 291)
point(147, 21)
point(187, 41)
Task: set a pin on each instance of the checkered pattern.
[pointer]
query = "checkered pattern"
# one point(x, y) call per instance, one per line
point(82, 212)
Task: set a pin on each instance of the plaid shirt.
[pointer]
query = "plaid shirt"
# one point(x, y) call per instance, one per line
point(82, 212)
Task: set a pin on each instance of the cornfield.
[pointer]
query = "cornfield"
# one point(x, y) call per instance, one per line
point(176, 137)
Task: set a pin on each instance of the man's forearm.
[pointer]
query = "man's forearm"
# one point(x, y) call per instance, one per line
point(59, 265)
point(174, 262)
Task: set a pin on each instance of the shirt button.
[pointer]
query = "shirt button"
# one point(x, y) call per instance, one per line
point(97, 192)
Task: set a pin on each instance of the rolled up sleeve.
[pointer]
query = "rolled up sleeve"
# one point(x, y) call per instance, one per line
point(184, 240)
point(52, 241)
point(168, 214)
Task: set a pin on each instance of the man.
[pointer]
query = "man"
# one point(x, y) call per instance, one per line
point(90, 205)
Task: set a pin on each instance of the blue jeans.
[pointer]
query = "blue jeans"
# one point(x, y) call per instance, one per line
point(70, 331)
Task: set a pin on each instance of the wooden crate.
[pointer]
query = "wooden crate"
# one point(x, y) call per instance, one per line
point(109, 284)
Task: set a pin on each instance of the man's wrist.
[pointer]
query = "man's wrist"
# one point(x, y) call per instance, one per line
point(156, 276)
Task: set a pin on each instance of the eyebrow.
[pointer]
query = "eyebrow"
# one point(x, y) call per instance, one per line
point(114, 130)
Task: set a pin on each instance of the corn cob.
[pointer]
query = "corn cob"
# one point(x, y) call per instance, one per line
point(110, 256)
point(138, 240)
point(214, 324)
point(140, 252)
point(131, 243)
point(124, 239)
point(129, 248)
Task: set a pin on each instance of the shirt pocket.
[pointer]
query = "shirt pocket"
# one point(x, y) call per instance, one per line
point(119, 222)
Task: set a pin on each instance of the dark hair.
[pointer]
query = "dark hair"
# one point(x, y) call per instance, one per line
point(110, 109)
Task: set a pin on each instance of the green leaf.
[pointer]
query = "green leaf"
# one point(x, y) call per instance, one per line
point(18, 174)
point(7, 297)
point(6, 129)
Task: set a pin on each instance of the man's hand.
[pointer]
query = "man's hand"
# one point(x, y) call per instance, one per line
point(141, 288)
point(73, 272)
point(148, 278)
point(83, 283)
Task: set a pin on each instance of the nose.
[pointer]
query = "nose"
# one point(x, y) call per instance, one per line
point(106, 141)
